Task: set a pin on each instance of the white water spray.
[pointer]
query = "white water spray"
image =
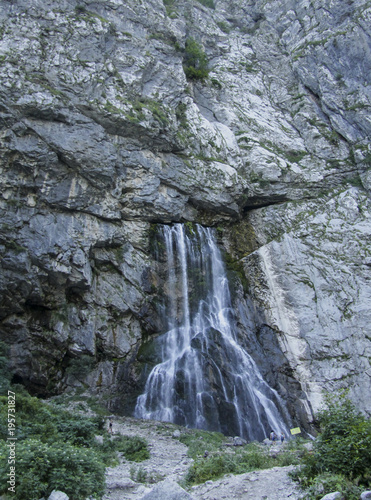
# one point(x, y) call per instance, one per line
point(206, 379)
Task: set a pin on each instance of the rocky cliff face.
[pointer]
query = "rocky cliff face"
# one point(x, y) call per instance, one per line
point(103, 136)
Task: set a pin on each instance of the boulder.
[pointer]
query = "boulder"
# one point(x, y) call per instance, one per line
point(58, 495)
point(167, 490)
point(239, 441)
point(332, 496)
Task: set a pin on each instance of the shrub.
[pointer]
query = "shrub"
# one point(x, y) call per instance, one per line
point(42, 467)
point(134, 448)
point(211, 468)
point(195, 61)
point(50, 423)
point(343, 447)
point(328, 483)
point(80, 9)
point(224, 26)
point(55, 450)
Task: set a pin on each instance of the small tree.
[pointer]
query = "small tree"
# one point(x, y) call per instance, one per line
point(195, 61)
point(344, 443)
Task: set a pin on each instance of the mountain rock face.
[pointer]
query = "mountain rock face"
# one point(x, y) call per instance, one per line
point(103, 136)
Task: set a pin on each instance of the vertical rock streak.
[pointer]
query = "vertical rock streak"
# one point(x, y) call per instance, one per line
point(205, 380)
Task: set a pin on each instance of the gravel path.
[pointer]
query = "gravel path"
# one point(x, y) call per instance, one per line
point(169, 460)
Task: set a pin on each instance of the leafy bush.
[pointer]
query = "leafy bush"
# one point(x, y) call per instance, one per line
point(343, 447)
point(328, 483)
point(43, 467)
point(49, 423)
point(55, 450)
point(195, 61)
point(210, 468)
point(134, 448)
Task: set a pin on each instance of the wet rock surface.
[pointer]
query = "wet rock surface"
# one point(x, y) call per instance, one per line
point(102, 136)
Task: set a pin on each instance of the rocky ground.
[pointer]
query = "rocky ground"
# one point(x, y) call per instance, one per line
point(169, 463)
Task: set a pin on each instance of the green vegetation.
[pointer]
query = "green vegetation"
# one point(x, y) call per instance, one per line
point(134, 448)
point(42, 467)
point(57, 449)
point(198, 441)
point(223, 459)
point(189, 228)
point(159, 113)
point(215, 83)
point(170, 8)
point(341, 460)
point(195, 61)
point(81, 366)
point(140, 475)
point(207, 3)
point(236, 274)
point(224, 26)
point(80, 9)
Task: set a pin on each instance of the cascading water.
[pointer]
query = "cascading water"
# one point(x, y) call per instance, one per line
point(206, 379)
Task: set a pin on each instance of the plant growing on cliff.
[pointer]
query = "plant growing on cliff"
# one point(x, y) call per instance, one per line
point(207, 3)
point(195, 61)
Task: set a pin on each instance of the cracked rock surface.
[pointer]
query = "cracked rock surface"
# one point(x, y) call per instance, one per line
point(102, 137)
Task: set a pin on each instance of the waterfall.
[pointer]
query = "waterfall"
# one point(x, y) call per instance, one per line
point(205, 379)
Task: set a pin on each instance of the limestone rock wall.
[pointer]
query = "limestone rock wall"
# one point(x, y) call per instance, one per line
point(102, 135)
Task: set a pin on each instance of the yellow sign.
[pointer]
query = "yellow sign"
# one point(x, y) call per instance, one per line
point(295, 431)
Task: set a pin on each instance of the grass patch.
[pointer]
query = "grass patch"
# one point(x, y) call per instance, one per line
point(222, 458)
point(199, 441)
point(233, 460)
